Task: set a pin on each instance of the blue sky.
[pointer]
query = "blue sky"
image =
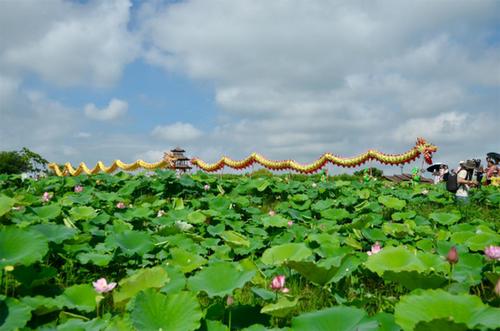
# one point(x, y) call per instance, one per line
point(93, 80)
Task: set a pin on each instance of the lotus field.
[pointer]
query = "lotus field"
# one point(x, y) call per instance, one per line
point(230, 252)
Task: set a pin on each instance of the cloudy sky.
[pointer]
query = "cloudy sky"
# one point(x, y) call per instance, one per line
point(118, 79)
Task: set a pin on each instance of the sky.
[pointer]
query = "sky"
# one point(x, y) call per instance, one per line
point(290, 79)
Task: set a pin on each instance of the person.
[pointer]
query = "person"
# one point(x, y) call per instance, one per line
point(464, 184)
point(436, 177)
point(443, 172)
point(491, 170)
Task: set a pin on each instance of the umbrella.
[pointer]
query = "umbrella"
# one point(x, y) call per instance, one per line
point(494, 156)
point(435, 166)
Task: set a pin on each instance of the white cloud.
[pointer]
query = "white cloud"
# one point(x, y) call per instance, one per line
point(295, 79)
point(83, 135)
point(150, 156)
point(177, 132)
point(67, 43)
point(115, 109)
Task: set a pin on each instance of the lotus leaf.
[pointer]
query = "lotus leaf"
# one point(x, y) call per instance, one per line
point(445, 218)
point(19, 246)
point(133, 242)
point(235, 239)
point(395, 259)
point(82, 213)
point(335, 214)
point(157, 311)
point(220, 279)
point(392, 202)
point(185, 260)
point(434, 305)
point(48, 212)
point(281, 308)
point(287, 252)
point(340, 318)
point(155, 277)
point(81, 297)
point(14, 314)
point(54, 232)
point(6, 204)
point(196, 217)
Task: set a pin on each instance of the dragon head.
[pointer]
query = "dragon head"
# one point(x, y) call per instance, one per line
point(170, 159)
point(426, 149)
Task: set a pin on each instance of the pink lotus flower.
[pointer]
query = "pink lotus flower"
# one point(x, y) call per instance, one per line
point(46, 197)
point(78, 189)
point(290, 223)
point(272, 213)
point(229, 300)
point(278, 284)
point(375, 249)
point(102, 286)
point(492, 252)
point(452, 256)
point(120, 205)
point(206, 187)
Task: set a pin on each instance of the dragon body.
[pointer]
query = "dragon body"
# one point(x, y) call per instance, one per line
point(422, 147)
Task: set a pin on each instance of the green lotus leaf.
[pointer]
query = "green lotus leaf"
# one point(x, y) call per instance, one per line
point(215, 326)
point(235, 239)
point(312, 272)
point(276, 221)
point(413, 280)
point(14, 314)
point(445, 218)
point(157, 311)
point(479, 241)
point(81, 297)
point(394, 259)
point(84, 213)
point(20, 246)
point(177, 281)
point(185, 260)
point(219, 203)
point(133, 242)
point(48, 212)
point(392, 202)
point(54, 232)
point(398, 216)
point(6, 204)
point(322, 205)
point(75, 324)
point(98, 259)
point(432, 306)
point(155, 277)
point(281, 308)
point(220, 279)
point(335, 214)
point(340, 318)
point(43, 305)
point(264, 293)
point(468, 269)
point(196, 217)
point(287, 252)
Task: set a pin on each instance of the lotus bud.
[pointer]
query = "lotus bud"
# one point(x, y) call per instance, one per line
point(452, 256)
point(229, 300)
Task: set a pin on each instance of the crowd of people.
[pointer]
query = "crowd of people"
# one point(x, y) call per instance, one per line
point(469, 174)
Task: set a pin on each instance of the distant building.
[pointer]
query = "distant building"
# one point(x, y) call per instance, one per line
point(181, 162)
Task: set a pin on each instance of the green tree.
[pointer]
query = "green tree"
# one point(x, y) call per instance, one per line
point(25, 160)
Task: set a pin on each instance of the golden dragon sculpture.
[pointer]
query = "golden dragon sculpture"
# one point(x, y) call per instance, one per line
point(422, 147)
